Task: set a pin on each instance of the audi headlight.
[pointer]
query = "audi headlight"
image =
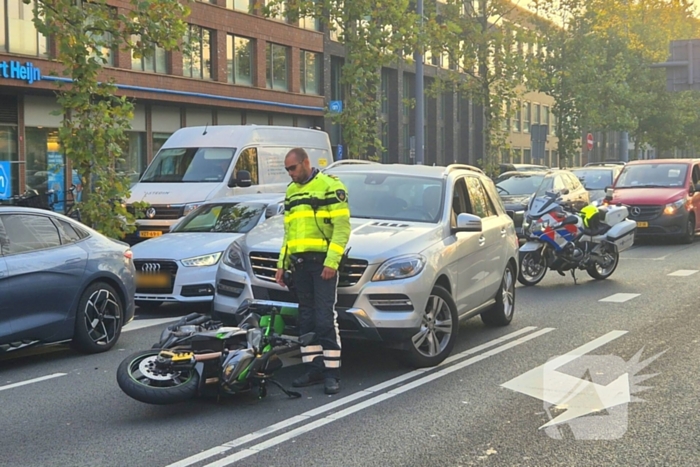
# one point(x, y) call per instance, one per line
point(671, 208)
point(233, 257)
point(401, 267)
point(204, 260)
point(191, 207)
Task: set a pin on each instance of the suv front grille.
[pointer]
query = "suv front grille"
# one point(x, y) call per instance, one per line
point(163, 211)
point(264, 267)
point(646, 213)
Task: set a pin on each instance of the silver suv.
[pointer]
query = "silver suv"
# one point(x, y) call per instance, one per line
point(430, 246)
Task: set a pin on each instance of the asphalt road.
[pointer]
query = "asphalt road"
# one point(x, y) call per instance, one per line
point(485, 406)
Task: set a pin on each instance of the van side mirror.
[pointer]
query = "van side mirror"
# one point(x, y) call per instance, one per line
point(241, 179)
point(468, 223)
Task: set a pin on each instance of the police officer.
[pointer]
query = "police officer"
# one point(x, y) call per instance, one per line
point(316, 231)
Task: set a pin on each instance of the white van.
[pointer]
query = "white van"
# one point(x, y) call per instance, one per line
point(200, 163)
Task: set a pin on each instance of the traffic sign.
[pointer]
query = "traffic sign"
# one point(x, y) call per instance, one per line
point(5, 180)
point(589, 141)
point(339, 154)
point(335, 107)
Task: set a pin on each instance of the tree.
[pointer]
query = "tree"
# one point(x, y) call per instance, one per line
point(375, 34)
point(95, 119)
point(487, 62)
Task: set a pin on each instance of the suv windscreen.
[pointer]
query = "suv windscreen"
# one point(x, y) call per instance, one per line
point(195, 165)
point(515, 184)
point(653, 176)
point(224, 217)
point(394, 197)
point(595, 179)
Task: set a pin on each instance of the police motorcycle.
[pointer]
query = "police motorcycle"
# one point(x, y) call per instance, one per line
point(561, 240)
point(202, 356)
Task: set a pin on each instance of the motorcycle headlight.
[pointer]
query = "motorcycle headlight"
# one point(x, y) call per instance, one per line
point(401, 267)
point(190, 207)
point(204, 260)
point(233, 257)
point(254, 337)
point(671, 208)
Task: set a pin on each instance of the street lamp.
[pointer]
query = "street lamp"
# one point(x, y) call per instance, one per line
point(418, 56)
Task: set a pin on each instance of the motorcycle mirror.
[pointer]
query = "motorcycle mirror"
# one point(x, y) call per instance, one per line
point(306, 339)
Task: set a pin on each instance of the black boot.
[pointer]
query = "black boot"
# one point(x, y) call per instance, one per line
point(331, 386)
point(309, 379)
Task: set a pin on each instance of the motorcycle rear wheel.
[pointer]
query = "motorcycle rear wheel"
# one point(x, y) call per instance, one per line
point(136, 378)
point(596, 271)
point(533, 267)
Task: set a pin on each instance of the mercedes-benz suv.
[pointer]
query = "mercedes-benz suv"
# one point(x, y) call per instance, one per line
point(430, 246)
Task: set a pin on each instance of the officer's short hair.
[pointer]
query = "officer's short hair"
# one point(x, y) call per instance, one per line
point(300, 153)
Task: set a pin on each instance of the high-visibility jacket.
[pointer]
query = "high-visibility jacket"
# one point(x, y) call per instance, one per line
point(316, 219)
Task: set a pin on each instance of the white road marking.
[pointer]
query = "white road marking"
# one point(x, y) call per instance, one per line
point(30, 381)
point(369, 402)
point(340, 402)
point(146, 323)
point(619, 297)
point(684, 272)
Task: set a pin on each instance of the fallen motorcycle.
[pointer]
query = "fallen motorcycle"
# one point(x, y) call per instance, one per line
point(557, 239)
point(200, 356)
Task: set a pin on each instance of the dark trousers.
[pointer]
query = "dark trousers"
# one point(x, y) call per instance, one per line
point(317, 314)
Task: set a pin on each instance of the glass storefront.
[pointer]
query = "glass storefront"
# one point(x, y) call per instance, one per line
point(134, 156)
point(9, 153)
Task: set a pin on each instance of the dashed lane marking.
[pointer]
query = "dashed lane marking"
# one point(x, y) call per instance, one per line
point(30, 381)
point(619, 297)
point(683, 272)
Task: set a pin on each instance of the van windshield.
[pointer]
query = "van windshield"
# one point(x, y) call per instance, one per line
point(194, 165)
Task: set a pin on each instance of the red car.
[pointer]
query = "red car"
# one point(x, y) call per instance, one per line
point(663, 196)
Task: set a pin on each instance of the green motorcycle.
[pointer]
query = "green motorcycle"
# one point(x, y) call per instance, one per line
point(201, 356)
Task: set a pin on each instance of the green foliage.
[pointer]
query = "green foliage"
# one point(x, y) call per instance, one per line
point(95, 120)
point(375, 34)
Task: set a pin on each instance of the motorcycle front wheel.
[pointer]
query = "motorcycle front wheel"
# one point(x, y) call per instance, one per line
point(600, 272)
point(140, 380)
point(533, 267)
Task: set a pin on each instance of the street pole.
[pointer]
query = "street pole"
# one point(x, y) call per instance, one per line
point(418, 56)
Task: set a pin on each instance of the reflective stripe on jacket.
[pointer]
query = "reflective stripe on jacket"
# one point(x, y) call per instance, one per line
point(316, 219)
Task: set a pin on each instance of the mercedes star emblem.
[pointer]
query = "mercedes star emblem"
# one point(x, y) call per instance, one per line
point(151, 213)
point(636, 211)
point(150, 267)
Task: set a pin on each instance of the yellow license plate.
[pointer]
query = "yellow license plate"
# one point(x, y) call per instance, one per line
point(152, 280)
point(150, 233)
point(642, 224)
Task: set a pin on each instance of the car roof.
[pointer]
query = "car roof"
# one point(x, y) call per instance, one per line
point(663, 161)
point(598, 167)
point(430, 171)
point(266, 198)
point(522, 173)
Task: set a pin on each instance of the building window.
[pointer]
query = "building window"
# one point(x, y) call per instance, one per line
point(239, 60)
point(240, 5)
point(309, 22)
point(158, 140)
point(18, 34)
point(527, 108)
point(537, 115)
point(133, 162)
point(197, 63)
point(545, 115)
point(527, 156)
point(9, 152)
point(310, 71)
point(517, 118)
point(277, 56)
point(278, 11)
point(553, 128)
point(156, 62)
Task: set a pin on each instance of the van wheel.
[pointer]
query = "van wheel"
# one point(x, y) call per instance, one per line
point(688, 234)
point(438, 331)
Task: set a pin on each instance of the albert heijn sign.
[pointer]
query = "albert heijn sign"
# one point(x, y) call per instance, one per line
point(22, 72)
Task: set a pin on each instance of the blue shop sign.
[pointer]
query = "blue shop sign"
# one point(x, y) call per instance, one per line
point(15, 70)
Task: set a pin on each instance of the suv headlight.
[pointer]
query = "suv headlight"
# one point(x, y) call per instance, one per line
point(671, 208)
point(233, 257)
point(190, 207)
point(204, 260)
point(401, 267)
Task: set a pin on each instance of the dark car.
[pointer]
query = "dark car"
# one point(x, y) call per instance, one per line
point(61, 281)
point(507, 167)
point(515, 189)
point(596, 178)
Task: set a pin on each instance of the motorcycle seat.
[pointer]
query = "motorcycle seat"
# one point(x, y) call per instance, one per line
point(600, 229)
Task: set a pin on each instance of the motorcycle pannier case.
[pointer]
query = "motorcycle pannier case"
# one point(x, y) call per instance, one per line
point(622, 234)
point(615, 214)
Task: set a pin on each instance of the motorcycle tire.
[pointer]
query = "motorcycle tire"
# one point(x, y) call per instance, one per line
point(159, 390)
point(528, 280)
point(602, 275)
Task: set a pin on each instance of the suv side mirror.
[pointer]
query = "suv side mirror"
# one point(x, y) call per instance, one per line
point(242, 179)
point(468, 223)
point(565, 191)
point(511, 214)
point(608, 193)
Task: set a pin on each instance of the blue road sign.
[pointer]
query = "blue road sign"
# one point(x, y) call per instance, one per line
point(5, 180)
point(340, 152)
point(336, 106)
